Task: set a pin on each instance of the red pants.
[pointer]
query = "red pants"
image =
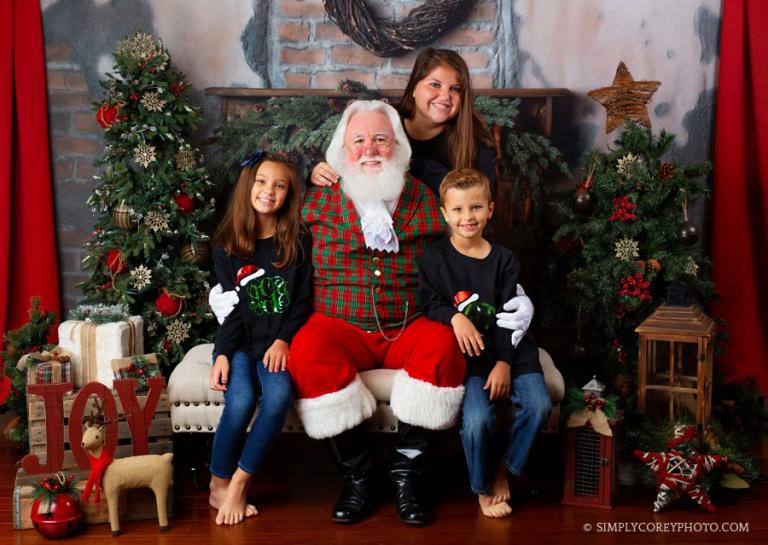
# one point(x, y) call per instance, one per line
point(327, 353)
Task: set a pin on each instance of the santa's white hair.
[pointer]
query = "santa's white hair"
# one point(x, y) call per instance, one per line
point(386, 184)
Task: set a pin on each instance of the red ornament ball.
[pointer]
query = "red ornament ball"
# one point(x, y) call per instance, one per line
point(106, 115)
point(59, 519)
point(115, 262)
point(184, 203)
point(167, 304)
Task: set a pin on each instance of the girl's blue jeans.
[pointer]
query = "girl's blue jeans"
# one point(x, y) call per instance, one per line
point(530, 395)
point(233, 445)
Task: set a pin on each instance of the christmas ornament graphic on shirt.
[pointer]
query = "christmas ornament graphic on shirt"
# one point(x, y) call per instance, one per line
point(266, 294)
point(481, 314)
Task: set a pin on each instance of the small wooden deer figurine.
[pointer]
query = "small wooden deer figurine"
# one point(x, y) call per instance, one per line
point(113, 476)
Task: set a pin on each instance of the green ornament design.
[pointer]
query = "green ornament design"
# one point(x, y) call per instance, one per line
point(481, 314)
point(268, 295)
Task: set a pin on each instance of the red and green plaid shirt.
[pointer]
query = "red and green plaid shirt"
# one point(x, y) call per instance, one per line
point(350, 277)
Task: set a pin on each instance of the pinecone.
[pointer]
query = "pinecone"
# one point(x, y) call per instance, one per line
point(667, 171)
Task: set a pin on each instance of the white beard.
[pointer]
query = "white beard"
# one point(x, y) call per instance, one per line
point(363, 188)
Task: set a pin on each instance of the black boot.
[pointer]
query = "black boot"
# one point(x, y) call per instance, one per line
point(407, 474)
point(353, 454)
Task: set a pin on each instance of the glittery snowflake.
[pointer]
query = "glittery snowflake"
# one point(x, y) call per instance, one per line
point(627, 249)
point(156, 220)
point(691, 268)
point(626, 163)
point(140, 46)
point(186, 159)
point(141, 277)
point(152, 102)
point(144, 154)
point(178, 331)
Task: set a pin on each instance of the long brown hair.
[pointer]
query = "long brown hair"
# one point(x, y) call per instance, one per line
point(237, 232)
point(467, 127)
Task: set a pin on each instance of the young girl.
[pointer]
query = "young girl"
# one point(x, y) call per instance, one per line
point(263, 254)
point(443, 127)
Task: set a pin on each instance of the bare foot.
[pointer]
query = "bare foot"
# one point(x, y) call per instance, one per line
point(218, 488)
point(500, 485)
point(235, 508)
point(491, 509)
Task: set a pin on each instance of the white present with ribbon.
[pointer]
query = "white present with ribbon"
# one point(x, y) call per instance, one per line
point(93, 347)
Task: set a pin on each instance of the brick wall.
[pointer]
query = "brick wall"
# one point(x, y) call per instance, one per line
point(311, 51)
point(75, 143)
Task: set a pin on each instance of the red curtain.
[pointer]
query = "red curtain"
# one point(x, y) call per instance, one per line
point(28, 259)
point(740, 196)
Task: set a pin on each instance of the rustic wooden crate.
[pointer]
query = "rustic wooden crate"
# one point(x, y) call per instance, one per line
point(138, 504)
point(159, 434)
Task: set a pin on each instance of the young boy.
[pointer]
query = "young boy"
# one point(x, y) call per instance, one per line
point(464, 279)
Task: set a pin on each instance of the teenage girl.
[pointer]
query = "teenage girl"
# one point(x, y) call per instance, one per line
point(262, 255)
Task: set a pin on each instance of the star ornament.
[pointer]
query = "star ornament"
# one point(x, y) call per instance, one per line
point(626, 99)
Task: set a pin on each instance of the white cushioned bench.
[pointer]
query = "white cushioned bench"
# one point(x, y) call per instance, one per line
point(195, 408)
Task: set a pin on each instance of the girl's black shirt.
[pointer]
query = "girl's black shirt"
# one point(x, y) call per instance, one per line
point(274, 303)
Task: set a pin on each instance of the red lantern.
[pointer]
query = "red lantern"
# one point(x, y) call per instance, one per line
point(59, 518)
point(106, 115)
point(115, 262)
point(168, 304)
point(184, 203)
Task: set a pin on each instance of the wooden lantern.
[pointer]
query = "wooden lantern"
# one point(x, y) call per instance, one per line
point(674, 371)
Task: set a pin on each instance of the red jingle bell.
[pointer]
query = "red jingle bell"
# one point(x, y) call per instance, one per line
point(58, 519)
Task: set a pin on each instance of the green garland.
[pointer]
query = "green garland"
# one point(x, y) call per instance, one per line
point(52, 485)
point(100, 313)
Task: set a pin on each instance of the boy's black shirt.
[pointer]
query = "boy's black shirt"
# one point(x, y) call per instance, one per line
point(272, 306)
point(444, 273)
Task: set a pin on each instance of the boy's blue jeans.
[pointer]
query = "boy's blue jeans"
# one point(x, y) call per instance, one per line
point(232, 446)
point(530, 395)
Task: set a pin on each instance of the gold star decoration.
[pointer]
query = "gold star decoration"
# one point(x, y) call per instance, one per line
point(626, 99)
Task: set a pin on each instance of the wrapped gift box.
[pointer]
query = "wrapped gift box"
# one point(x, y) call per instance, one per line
point(93, 347)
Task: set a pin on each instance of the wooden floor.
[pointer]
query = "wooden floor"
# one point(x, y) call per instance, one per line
point(296, 490)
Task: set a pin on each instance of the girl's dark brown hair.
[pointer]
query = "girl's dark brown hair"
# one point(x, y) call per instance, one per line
point(467, 127)
point(237, 232)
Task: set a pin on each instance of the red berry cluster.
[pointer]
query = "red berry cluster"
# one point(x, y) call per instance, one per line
point(622, 209)
point(593, 402)
point(621, 355)
point(635, 285)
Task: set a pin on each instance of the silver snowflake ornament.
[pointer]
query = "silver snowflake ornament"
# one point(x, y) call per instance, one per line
point(152, 102)
point(626, 163)
point(156, 220)
point(186, 159)
point(144, 155)
point(141, 277)
point(691, 268)
point(178, 331)
point(627, 249)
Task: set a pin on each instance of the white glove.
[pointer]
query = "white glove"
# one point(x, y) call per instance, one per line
point(222, 302)
point(518, 316)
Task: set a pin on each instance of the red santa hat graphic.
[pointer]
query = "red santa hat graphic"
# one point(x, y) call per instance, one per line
point(247, 273)
point(463, 298)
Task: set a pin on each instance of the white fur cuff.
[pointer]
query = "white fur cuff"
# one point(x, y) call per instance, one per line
point(331, 414)
point(420, 403)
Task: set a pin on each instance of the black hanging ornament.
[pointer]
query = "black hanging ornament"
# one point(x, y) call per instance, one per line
point(582, 200)
point(687, 233)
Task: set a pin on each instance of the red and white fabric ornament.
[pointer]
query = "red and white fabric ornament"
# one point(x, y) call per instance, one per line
point(463, 298)
point(678, 470)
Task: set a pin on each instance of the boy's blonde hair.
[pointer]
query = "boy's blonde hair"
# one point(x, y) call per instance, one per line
point(464, 178)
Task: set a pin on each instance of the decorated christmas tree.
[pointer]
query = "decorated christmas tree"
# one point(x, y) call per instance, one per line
point(624, 239)
point(148, 250)
point(29, 338)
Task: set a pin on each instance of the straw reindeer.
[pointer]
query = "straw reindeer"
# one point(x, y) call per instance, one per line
point(151, 471)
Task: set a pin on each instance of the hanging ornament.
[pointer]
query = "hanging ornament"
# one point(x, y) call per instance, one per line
point(626, 249)
point(115, 262)
point(178, 331)
point(168, 304)
point(197, 252)
point(106, 115)
point(653, 265)
point(691, 267)
point(141, 277)
point(156, 220)
point(625, 99)
point(122, 216)
point(582, 199)
point(687, 233)
point(184, 203)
